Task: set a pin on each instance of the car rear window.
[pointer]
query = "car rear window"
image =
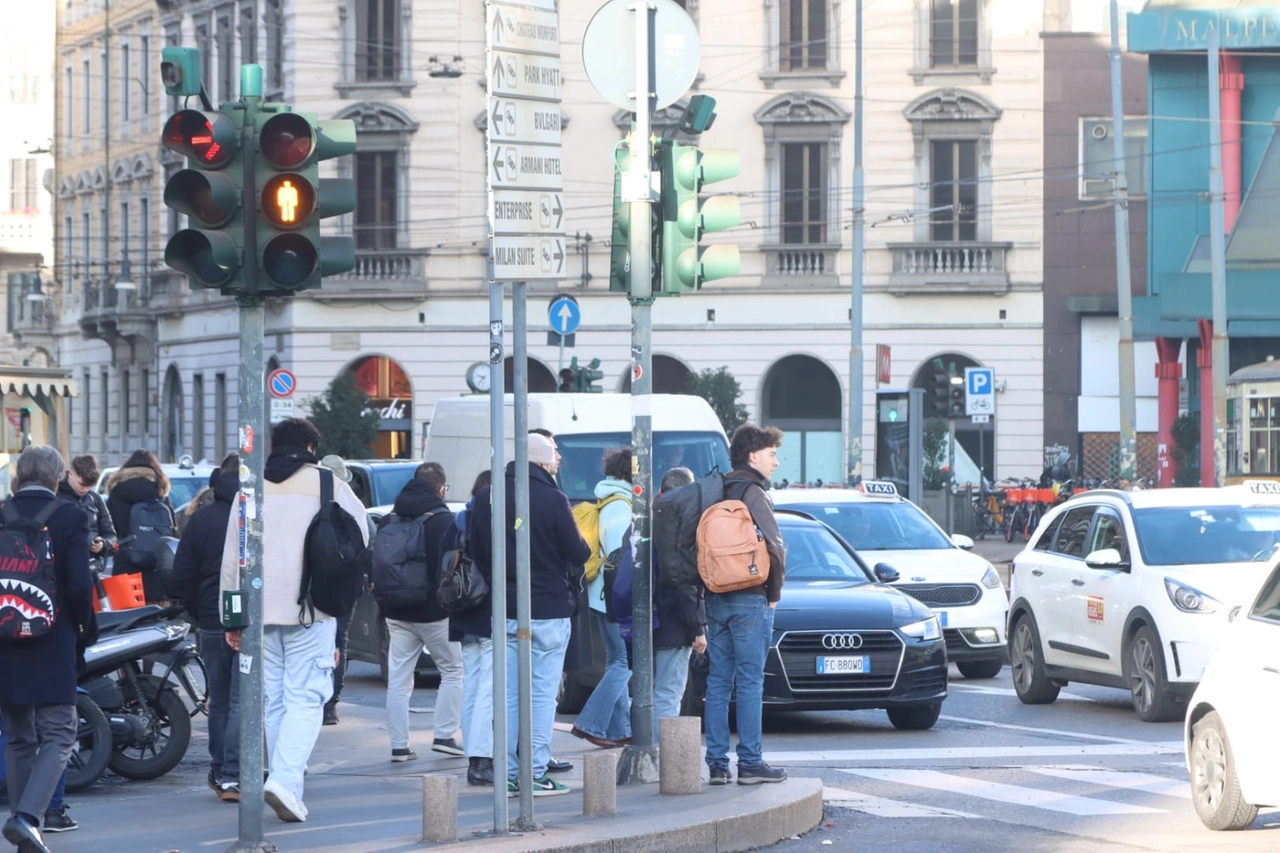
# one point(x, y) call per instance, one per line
point(1190, 535)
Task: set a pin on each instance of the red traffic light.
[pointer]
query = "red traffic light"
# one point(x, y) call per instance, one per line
point(288, 200)
point(210, 139)
point(287, 140)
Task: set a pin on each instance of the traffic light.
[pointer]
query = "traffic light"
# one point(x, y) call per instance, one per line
point(620, 242)
point(208, 191)
point(294, 198)
point(686, 217)
point(588, 376)
point(568, 380)
point(937, 394)
point(956, 405)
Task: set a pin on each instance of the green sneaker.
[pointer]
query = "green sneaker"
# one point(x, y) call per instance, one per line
point(542, 787)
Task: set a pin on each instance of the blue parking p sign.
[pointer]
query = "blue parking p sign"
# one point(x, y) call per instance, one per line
point(980, 391)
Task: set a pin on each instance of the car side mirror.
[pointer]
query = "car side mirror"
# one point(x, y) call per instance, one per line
point(1106, 558)
point(886, 573)
point(962, 541)
point(1235, 612)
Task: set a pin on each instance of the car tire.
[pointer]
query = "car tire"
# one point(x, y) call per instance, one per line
point(1215, 788)
point(1144, 674)
point(988, 668)
point(916, 718)
point(1030, 682)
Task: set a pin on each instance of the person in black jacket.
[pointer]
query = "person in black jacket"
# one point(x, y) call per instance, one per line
point(38, 675)
point(681, 629)
point(472, 629)
point(197, 568)
point(424, 626)
point(140, 478)
point(78, 487)
point(556, 554)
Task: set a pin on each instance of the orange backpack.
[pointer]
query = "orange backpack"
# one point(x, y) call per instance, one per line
point(731, 550)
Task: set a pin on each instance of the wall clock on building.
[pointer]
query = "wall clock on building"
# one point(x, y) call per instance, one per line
point(478, 377)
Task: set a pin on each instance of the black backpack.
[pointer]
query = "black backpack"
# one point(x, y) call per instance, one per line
point(675, 528)
point(149, 521)
point(462, 587)
point(333, 559)
point(28, 578)
point(400, 573)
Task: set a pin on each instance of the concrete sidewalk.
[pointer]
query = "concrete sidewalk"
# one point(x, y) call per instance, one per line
point(360, 802)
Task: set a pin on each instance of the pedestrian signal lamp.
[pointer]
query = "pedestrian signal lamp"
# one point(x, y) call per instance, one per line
point(588, 376)
point(686, 217)
point(937, 393)
point(956, 396)
point(620, 242)
point(568, 380)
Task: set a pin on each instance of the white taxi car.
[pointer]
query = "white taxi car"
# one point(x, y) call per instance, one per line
point(1232, 748)
point(937, 570)
point(1131, 589)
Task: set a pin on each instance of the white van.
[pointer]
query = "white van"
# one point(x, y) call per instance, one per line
point(686, 432)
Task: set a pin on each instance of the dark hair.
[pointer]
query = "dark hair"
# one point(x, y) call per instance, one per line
point(483, 480)
point(750, 438)
point(617, 463)
point(142, 458)
point(86, 468)
point(675, 478)
point(295, 432)
point(230, 467)
point(545, 433)
point(432, 473)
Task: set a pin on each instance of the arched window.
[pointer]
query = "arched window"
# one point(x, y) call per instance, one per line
point(669, 376)
point(541, 379)
point(172, 445)
point(391, 392)
point(803, 398)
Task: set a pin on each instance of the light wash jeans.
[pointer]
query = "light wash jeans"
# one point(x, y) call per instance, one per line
point(739, 633)
point(477, 696)
point(607, 713)
point(405, 642)
point(670, 672)
point(550, 641)
point(297, 674)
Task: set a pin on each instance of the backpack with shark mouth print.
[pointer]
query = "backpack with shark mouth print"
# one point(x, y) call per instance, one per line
point(28, 579)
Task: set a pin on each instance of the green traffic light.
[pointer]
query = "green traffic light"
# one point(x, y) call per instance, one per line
point(686, 217)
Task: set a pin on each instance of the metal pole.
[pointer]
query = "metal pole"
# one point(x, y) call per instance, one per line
point(854, 464)
point(252, 444)
point(524, 637)
point(1124, 288)
point(640, 757)
point(498, 536)
point(1218, 267)
point(949, 486)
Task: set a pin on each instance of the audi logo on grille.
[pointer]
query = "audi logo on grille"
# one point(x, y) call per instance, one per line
point(842, 641)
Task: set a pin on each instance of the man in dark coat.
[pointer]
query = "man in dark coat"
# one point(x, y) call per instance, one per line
point(424, 626)
point(78, 487)
point(38, 676)
point(197, 568)
point(556, 554)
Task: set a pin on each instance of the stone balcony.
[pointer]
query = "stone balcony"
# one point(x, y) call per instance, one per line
point(107, 313)
point(379, 273)
point(800, 264)
point(33, 325)
point(949, 267)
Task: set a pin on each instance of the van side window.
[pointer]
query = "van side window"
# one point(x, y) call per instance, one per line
point(1045, 542)
point(1071, 534)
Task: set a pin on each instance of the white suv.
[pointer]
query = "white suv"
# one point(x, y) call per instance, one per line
point(937, 570)
point(1131, 589)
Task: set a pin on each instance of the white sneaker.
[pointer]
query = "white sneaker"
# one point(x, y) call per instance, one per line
point(286, 806)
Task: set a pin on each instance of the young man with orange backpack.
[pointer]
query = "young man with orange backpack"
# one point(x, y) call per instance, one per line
point(740, 621)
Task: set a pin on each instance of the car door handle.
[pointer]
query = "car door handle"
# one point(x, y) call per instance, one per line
point(1077, 581)
point(1038, 572)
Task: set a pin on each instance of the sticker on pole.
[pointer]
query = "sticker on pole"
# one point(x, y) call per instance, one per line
point(282, 383)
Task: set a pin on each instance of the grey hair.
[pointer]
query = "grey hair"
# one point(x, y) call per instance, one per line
point(40, 465)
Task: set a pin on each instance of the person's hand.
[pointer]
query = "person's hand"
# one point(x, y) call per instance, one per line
point(700, 643)
point(233, 638)
point(773, 604)
point(337, 657)
point(96, 546)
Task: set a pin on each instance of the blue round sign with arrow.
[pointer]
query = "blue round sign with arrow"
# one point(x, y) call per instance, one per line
point(564, 315)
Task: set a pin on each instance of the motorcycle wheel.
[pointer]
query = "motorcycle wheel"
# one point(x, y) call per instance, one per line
point(170, 735)
point(92, 749)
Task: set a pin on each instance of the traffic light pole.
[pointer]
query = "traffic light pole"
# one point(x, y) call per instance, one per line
point(640, 757)
point(853, 467)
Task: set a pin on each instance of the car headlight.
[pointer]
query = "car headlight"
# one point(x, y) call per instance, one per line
point(990, 579)
point(925, 629)
point(1188, 599)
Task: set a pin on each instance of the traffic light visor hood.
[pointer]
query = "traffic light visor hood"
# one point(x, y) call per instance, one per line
point(697, 166)
point(209, 139)
point(210, 198)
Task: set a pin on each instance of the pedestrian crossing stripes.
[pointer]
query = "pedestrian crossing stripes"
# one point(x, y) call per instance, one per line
point(976, 753)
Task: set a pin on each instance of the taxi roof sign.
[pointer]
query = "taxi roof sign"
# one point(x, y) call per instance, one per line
point(887, 489)
point(1262, 487)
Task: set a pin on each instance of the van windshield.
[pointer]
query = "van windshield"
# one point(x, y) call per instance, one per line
point(582, 455)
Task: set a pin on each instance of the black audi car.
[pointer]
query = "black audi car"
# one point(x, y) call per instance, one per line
point(843, 639)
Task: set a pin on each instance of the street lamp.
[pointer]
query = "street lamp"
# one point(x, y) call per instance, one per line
point(124, 282)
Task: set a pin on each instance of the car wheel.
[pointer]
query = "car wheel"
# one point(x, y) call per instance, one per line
point(1030, 682)
point(915, 719)
point(1215, 789)
point(989, 668)
point(1144, 673)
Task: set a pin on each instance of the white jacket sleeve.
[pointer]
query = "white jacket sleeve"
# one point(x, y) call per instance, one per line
point(230, 578)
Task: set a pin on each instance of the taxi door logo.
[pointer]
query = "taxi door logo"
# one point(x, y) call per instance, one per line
point(1094, 608)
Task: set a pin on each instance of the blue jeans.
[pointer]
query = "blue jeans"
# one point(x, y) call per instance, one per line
point(477, 696)
point(670, 671)
point(607, 713)
point(550, 641)
point(222, 663)
point(739, 633)
point(59, 793)
point(297, 675)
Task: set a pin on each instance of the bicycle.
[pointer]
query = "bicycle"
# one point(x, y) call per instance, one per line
point(1015, 510)
point(988, 514)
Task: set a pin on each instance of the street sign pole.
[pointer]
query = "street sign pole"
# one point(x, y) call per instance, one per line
point(498, 536)
point(524, 635)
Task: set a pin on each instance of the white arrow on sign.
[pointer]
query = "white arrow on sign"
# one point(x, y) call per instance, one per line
point(527, 167)
point(564, 315)
point(522, 76)
point(524, 30)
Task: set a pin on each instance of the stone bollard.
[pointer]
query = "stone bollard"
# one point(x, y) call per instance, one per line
point(679, 755)
point(439, 808)
point(600, 782)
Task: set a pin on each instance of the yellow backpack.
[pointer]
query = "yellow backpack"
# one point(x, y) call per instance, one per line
point(587, 515)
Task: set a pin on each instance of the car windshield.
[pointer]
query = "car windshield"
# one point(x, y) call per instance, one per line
point(878, 526)
point(813, 554)
point(582, 455)
point(1182, 535)
point(390, 479)
point(184, 488)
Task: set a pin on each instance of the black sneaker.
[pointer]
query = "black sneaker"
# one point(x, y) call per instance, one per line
point(555, 765)
point(214, 783)
point(754, 775)
point(720, 775)
point(405, 754)
point(57, 820)
point(447, 745)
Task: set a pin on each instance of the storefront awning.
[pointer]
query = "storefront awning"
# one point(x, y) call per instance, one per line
point(34, 381)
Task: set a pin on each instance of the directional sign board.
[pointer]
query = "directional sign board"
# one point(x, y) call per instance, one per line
point(513, 119)
point(564, 315)
point(980, 391)
point(521, 212)
point(523, 76)
point(535, 167)
point(521, 257)
point(526, 30)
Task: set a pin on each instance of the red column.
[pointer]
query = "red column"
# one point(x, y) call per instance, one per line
point(1168, 372)
point(1230, 86)
point(1204, 360)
